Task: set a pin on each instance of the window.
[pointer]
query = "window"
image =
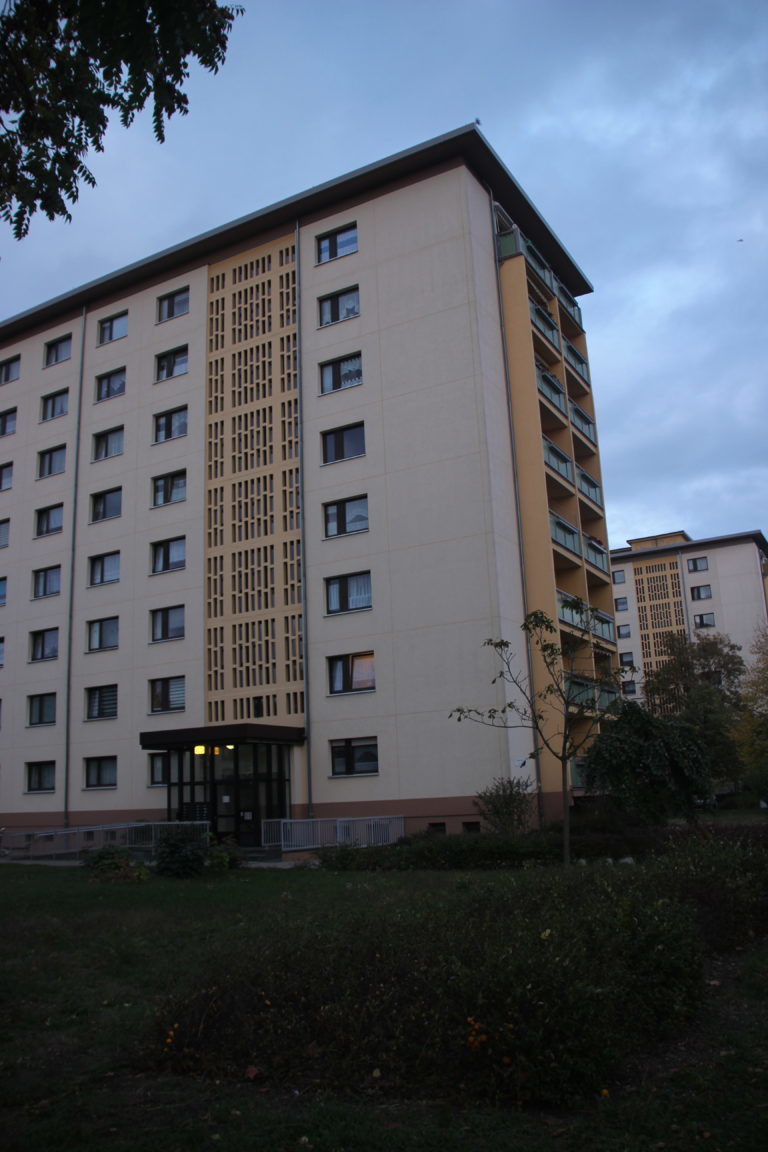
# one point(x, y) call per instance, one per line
point(340, 306)
point(619, 577)
point(620, 604)
point(626, 659)
point(171, 364)
point(103, 633)
point(5, 533)
point(163, 768)
point(169, 489)
point(104, 569)
point(701, 592)
point(169, 425)
point(358, 757)
point(58, 350)
point(706, 620)
point(6, 477)
point(106, 444)
point(51, 462)
point(41, 709)
point(107, 505)
point(167, 623)
point(174, 304)
point(346, 516)
point(101, 702)
point(44, 645)
point(629, 688)
point(348, 593)
point(10, 369)
point(46, 582)
point(49, 520)
point(352, 673)
point(167, 694)
point(41, 776)
point(101, 772)
point(8, 422)
point(110, 384)
point(2, 651)
point(3, 590)
point(343, 373)
point(168, 555)
point(340, 242)
point(55, 405)
point(113, 328)
point(623, 632)
point(343, 443)
point(698, 564)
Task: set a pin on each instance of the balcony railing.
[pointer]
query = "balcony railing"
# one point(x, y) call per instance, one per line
point(606, 697)
point(580, 693)
point(590, 487)
point(557, 459)
point(576, 360)
point(564, 533)
point(596, 554)
point(508, 244)
point(328, 832)
point(569, 303)
point(538, 263)
point(544, 322)
point(550, 387)
point(584, 423)
point(570, 610)
point(603, 625)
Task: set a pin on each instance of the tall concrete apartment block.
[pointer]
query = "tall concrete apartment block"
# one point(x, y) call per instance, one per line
point(265, 494)
point(672, 584)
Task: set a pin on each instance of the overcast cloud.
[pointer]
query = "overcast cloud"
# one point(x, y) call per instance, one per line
point(640, 131)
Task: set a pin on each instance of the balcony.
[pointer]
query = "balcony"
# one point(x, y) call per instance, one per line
point(544, 322)
point(570, 610)
point(564, 534)
point(603, 625)
point(590, 487)
point(508, 244)
point(576, 360)
point(580, 693)
point(551, 387)
point(538, 263)
point(606, 697)
point(558, 460)
point(584, 423)
point(569, 303)
point(596, 555)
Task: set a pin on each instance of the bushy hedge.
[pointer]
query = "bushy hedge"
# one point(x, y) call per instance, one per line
point(526, 988)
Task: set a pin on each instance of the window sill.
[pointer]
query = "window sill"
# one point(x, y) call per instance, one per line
point(347, 612)
point(175, 376)
point(333, 259)
point(343, 535)
point(97, 719)
point(99, 788)
point(39, 791)
point(351, 692)
point(166, 639)
point(343, 388)
point(341, 459)
point(351, 775)
point(341, 320)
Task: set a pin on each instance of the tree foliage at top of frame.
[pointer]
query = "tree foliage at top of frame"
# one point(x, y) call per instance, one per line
point(66, 65)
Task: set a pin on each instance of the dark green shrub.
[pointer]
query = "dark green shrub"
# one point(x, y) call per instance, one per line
point(180, 856)
point(224, 855)
point(113, 863)
point(506, 806)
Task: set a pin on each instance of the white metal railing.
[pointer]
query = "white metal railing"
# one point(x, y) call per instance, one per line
point(62, 843)
point(362, 831)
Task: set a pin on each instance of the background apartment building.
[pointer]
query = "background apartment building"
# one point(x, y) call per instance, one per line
point(265, 494)
point(671, 583)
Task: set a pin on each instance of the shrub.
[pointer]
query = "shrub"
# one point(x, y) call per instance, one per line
point(505, 806)
point(113, 863)
point(224, 855)
point(180, 856)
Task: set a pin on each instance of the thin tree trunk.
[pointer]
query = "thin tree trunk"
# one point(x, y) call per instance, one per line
point(566, 815)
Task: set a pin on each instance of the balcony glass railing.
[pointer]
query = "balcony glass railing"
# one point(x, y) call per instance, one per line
point(602, 625)
point(508, 244)
point(596, 554)
point(606, 697)
point(550, 387)
point(564, 533)
point(590, 487)
point(569, 303)
point(544, 322)
point(570, 610)
point(579, 693)
point(557, 459)
point(576, 360)
point(538, 263)
point(580, 420)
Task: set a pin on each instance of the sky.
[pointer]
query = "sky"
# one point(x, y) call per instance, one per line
point(640, 131)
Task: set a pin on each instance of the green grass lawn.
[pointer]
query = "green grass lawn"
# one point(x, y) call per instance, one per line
point(85, 967)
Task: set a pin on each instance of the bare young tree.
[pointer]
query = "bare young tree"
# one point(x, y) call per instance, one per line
point(571, 689)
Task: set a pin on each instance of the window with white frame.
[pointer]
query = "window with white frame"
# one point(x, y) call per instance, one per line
point(339, 306)
point(110, 384)
point(350, 593)
point(339, 242)
point(352, 672)
point(358, 756)
point(113, 328)
point(345, 372)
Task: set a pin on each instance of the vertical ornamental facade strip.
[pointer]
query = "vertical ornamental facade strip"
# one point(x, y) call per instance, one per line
point(254, 648)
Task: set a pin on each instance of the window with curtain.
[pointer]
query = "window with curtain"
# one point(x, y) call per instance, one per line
point(348, 593)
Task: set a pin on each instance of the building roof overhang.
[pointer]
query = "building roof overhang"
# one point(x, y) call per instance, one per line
point(756, 537)
point(216, 735)
point(464, 145)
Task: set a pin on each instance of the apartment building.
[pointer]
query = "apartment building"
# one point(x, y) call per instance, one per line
point(671, 583)
point(265, 494)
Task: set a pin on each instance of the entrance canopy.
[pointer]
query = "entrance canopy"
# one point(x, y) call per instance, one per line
point(221, 734)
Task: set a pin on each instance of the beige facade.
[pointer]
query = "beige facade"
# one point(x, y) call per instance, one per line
point(311, 462)
point(671, 583)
